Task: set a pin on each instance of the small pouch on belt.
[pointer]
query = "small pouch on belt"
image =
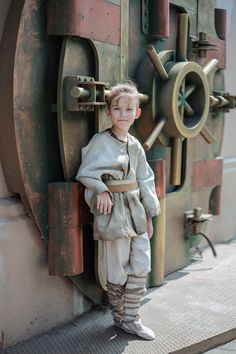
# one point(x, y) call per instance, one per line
point(117, 186)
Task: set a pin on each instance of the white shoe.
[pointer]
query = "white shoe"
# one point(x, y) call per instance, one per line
point(138, 328)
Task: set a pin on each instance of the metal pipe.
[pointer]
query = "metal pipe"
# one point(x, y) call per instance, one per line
point(80, 92)
point(182, 38)
point(210, 66)
point(158, 239)
point(143, 98)
point(176, 161)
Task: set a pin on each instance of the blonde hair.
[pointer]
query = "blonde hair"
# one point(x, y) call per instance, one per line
point(127, 88)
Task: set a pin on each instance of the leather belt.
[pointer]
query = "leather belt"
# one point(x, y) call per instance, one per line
point(122, 187)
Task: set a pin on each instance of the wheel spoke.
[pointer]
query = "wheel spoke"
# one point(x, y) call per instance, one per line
point(154, 134)
point(188, 110)
point(210, 66)
point(207, 135)
point(184, 106)
point(189, 90)
point(176, 161)
point(159, 67)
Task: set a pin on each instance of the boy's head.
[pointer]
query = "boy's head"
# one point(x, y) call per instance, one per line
point(123, 106)
point(127, 89)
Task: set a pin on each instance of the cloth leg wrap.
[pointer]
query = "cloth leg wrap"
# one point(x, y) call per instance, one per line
point(116, 299)
point(134, 292)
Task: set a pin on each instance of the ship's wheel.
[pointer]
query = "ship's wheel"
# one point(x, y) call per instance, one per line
point(179, 101)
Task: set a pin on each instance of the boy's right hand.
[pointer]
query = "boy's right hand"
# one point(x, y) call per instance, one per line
point(104, 203)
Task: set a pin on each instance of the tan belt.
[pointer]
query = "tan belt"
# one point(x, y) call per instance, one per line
point(125, 187)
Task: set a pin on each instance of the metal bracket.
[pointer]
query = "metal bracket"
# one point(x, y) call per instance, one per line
point(194, 219)
point(145, 16)
point(202, 45)
point(82, 93)
point(193, 224)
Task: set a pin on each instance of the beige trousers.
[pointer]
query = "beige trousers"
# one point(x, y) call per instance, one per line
point(126, 256)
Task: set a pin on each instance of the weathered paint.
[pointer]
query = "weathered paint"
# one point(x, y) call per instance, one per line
point(207, 174)
point(92, 19)
point(155, 18)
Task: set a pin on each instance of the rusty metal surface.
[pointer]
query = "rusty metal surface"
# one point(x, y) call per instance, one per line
point(155, 18)
point(30, 130)
point(8, 151)
point(92, 19)
point(32, 125)
point(207, 174)
point(192, 312)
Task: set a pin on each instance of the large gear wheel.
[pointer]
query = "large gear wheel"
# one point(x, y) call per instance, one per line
point(180, 99)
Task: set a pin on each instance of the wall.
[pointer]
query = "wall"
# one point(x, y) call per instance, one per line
point(31, 301)
point(223, 227)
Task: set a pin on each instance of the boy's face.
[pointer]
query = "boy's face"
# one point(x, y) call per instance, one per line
point(123, 112)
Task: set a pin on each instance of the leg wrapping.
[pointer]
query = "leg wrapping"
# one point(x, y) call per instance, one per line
point(116, 299)
point(134, 292)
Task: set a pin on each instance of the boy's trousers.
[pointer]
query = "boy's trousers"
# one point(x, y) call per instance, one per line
point(126, 256)
point(126, 263)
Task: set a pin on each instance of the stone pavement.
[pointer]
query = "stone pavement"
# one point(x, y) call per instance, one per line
point(194, 310)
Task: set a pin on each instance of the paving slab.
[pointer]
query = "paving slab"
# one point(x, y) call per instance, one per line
point(194, 310)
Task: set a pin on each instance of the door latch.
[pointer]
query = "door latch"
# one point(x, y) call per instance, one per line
point(83, 93)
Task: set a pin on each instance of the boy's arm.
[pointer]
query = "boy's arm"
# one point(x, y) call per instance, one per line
point(89, 174)
point(90, 170)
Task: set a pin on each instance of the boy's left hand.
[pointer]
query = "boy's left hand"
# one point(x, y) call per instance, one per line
point(149, 228)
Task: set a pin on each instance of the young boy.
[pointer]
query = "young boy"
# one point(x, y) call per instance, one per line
point(121, 194)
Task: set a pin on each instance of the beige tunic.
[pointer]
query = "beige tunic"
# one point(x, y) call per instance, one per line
point(107, 158)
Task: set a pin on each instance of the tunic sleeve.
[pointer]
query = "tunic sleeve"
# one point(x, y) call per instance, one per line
point(145, 178)
point(90, 172)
